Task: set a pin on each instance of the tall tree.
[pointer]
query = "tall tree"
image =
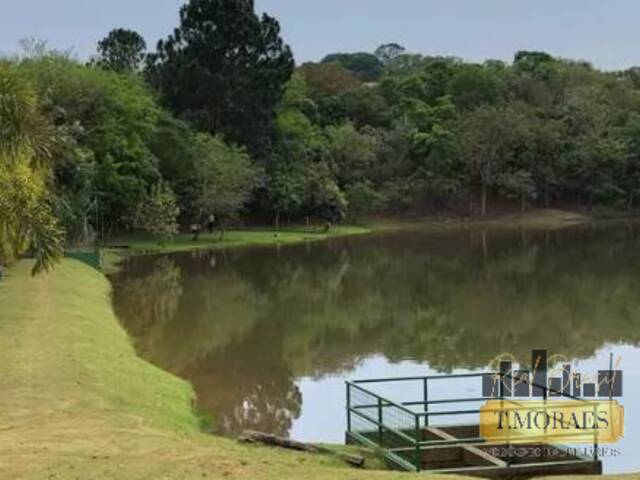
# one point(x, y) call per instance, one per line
point(122, 51)
point(224, 70)
point(223, 179)
point(388, 52)
point(490, 138)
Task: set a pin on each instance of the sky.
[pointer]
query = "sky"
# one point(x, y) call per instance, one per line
point(604, 32)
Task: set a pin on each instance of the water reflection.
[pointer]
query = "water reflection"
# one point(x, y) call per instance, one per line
point(246, 326)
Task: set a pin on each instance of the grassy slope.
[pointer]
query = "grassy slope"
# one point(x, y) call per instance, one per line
point(78, 403)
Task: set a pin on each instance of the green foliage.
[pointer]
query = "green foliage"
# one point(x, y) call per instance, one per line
point(122, 51)
point(365, 66)
point(327, 79)
point(109, 118)
point(26, 222)
point(491, 139)
point(352, 152)
point(354, 134)
point(325, 198)
point(158, 214)
point(389, 52)
point(363, 199)
point(223, 179)
point(224, 70)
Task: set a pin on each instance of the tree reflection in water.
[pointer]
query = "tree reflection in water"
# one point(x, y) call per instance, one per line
point(243, 326)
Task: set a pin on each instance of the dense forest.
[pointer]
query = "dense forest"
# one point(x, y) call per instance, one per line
point(219, 121)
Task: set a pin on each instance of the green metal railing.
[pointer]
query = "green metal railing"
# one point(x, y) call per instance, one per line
point(398, 429)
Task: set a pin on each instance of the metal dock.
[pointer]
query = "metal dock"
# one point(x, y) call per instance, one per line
point(416, 435)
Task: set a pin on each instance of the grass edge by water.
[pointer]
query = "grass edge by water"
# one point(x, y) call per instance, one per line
point(119, 248)
point(77, 399)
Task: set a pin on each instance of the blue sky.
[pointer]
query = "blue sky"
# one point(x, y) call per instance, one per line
point(603, 31)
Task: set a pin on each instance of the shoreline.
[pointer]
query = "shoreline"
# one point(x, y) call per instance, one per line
point(119, 248)
point(79, 402)
point(295, 233)
point(250, 237)
point(72, 370)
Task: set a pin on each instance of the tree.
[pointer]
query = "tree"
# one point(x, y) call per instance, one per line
point(362, 65)
point(352, 152)
point(363, 199)
point(110, 117)
point(223, 179)
point(489, 138)
point(366, 106)
point(537, 64)
point(224, 70)
point(121, 51)
point(324, 197)
point(475, 85)
point(158, 214)
point(288, 184)
point(388, 52)
point(327, 79)
point(27, 221)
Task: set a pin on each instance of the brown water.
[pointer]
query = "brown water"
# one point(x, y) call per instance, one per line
point(267, 336)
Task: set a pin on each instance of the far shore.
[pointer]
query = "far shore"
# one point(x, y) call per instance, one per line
point(536, 219)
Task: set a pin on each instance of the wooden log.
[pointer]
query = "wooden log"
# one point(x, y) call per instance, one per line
point(250, 436)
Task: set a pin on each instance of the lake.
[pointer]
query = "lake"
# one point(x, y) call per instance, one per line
point(267, 336)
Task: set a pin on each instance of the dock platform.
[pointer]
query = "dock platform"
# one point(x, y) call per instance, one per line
point(421, 436)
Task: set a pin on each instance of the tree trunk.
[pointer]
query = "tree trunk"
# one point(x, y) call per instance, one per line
point(276, 222)
point(485, 245)
point(483, 209)
point(523, 206)
point(275, 441)
point(630, 204)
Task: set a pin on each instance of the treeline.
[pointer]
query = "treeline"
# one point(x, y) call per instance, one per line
point(217, 121)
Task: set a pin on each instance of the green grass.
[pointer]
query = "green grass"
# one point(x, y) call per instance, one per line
point(78, 403)
point(141, 244)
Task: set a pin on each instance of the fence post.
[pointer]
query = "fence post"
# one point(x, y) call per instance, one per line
point(348, 407)
point(595, 433)
point(380, 421)
point(418, 439)
point(425, 389)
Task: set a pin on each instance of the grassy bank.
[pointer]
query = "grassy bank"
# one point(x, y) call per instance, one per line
point(78, 403)
point(117, 248)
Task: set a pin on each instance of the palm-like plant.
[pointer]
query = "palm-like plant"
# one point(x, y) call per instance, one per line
point(26, 219)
